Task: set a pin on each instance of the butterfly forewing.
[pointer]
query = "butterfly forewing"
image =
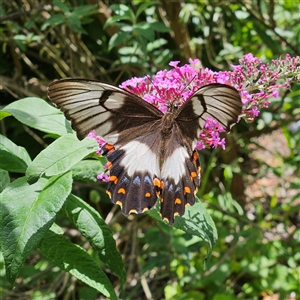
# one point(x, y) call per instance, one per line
point(218, 101)
point(93, 105)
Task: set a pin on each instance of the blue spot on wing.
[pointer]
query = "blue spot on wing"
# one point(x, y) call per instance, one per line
point(137, 181)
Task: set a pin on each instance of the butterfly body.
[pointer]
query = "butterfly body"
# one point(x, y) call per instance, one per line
point(150, 154)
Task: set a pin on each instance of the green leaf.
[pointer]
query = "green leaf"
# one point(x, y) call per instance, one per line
point(87, 170)
point(27, 212)
point(145, 30)
point(76, 261)
point(159, 27)
point(116, 20)
point(117, 39)
point(75, 23)
point(144, 6)
point(53, 21)
point(63, 7)
point(4, 114)
point(4, 179)
point(195, 221)
point(60, 156)
point(83, 10)
point(93, 227)
point(123, 11)
point(13, 158)
point(38, 114)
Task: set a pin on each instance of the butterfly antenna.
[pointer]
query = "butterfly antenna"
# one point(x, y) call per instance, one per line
point(184, 88)
point(155, 86)
point(188, 84)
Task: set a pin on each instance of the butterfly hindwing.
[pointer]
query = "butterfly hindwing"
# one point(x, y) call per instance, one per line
point(134, 170)
point(180, 176)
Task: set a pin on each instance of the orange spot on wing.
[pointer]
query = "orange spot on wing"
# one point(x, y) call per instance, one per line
point(108, 165)
point(156, 182)
point(193, 175)
point(114, 179)
point(162, 184)
point(147, 195)
point(161, 200)
point(121, 191)
point(109, 148)
point(177, 201)
point(187, 190)
point(195, 156)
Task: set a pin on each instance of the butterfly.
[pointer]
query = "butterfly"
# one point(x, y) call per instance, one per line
point(150, 154)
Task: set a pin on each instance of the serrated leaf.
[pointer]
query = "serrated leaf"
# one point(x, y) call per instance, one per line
point(195, 221)
point(93, 227)
point(13, 158)
point(76, 261)
point(27, 212)
point(87, 170)
point(60, 156)
point(38, 114)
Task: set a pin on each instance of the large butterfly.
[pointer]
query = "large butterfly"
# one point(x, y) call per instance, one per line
point(150, 154)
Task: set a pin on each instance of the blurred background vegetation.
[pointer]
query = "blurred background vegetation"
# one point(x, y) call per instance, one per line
point(251, 190)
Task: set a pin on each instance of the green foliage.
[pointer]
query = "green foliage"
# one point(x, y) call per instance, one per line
point(47, 187)
point(63, 242)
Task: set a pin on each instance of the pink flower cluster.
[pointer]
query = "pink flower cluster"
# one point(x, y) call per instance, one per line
point(256, 82)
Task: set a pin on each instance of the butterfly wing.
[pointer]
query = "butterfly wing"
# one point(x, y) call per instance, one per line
point(134, 169)
point(180, 173)
point(218, 101)
point(111, 112)
point(129, 125)
point(180, 176)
